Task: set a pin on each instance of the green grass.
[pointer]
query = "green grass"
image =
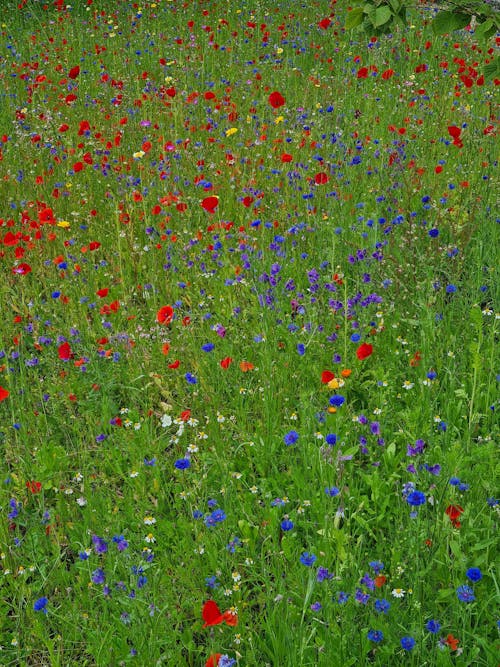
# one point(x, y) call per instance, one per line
point(398, 247)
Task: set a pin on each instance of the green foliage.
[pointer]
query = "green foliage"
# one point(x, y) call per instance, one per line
point(376, 17)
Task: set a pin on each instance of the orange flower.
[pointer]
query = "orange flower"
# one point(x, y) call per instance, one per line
point(165, 349)
point(346, 372)
point(380, 580)
point(230, 618)
point(452, 642)
point(246, 366)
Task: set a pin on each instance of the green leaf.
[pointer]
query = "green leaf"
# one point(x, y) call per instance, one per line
point(354, 18)
point(396, 5)
point(482, 29)
point(448, 21)
point(492, 70)
point(382, 15)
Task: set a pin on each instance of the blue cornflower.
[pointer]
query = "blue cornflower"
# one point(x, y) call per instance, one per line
point(226, 661)
point(465, 593)
point(290, 438)
point(450, 289)
point(361, 597)
point(307, 559)
point(190, 378)
point(474, 574)
point(41, 604)
point(415, 498)
point(331, 438)
point(382, 606)
point(286, 524)
point(211, 582)
point(375, 636)
point(98, 576)
point(332, 491)
point(316, 606)
point(337, 400)
point(182, 464)
point(407, 643)
point(233, 543)
point(342, 597)
point(301, 349)
point(377, 566)
point(121, 542)
point(208, 347)
point(454, 481)
point(142, 581)
point(433, 626)
point(218, 515)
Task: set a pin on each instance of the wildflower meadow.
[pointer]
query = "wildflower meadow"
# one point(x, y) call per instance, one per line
point(248, 374)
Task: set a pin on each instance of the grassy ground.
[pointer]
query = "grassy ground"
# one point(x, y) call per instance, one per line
point(248, 338)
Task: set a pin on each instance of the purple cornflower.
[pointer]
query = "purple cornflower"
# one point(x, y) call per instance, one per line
point(100, 545)
point(323, 574)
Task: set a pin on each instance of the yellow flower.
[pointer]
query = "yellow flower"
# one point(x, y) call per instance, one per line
point(231, 131)
point(63, 223)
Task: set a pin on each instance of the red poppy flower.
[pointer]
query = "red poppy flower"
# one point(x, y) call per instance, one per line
point(64, 352)
point(34, 487)
point(321, 178)
point(387, 74)
point(165, 315)
point(212, 615)
point(454, 131)
point(74, 72)
point(210, 203)
point(175, 364)
point(454, 512)
point(327, 376)
point(22, 269)
point(324, 23)
point(276, 100)
point(3, 394)
point(102, 292)
point(286, 157)
point(213, 660)
point(362, 73)
point(364, 351)
point(225, 363)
